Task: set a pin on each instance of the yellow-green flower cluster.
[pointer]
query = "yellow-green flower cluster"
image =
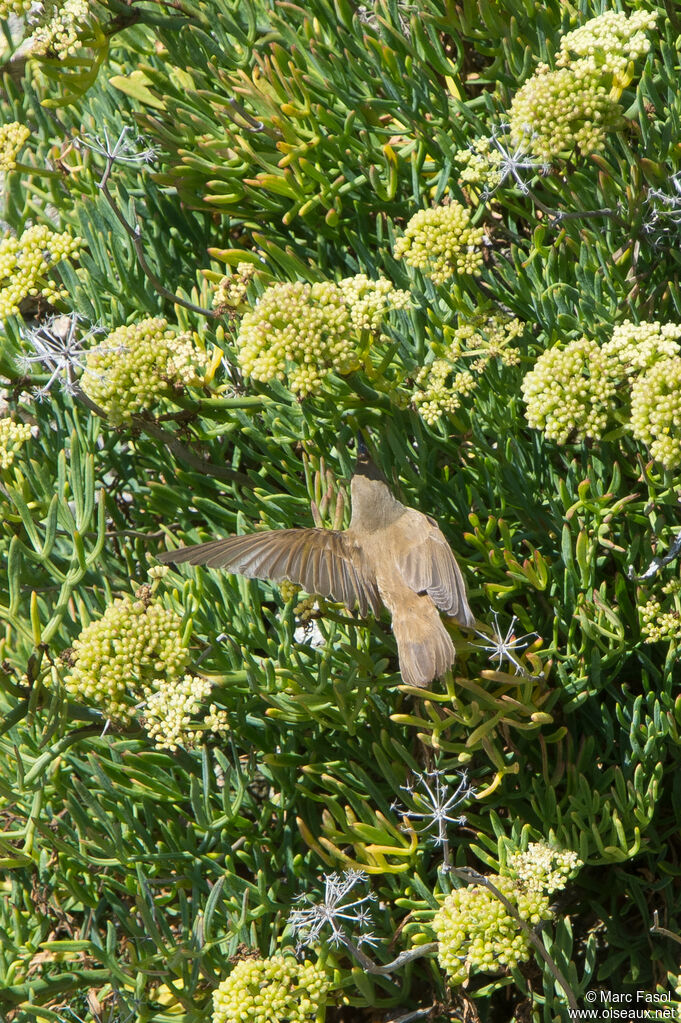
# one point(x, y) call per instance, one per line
point(171, 710)
point(369, 301)
point(300, 333)
point(481, 164)
point(543, 869)
point(609, 43)
point(125, 652)
point(17, 7)
point(637, 346)
point(231, 291)
point(475, 931)
point(656, 411)
point(289, 590)
point(274, 990)
point(576, 105)
point(12, 436)
point(24, 263)
point(442, 384)
point(441, 242)
point(12, 138)
point(440, 389)
point(658, 625)
point(61, 22)
point(136, 365)
point(634, 379)
point(562, 110)
point(569, 391)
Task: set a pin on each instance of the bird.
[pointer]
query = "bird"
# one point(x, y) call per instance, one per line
point(390, 556)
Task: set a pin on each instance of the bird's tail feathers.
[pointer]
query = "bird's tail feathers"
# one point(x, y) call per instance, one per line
point(424, 646)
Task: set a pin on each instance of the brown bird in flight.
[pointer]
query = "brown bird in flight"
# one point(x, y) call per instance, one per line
point(390, 556)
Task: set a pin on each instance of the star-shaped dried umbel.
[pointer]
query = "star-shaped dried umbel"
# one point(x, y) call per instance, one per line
point(338, 909)
point(504, 648)
point(56, 346)
point(126, 148)
point(435, 803)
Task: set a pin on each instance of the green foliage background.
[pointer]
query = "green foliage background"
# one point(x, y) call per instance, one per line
point(309, 135)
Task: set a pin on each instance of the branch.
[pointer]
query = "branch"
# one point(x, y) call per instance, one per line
point(135, 236)
point(656, 929)
point(190, 458)
point(180, 450)
point(657, 563)
point(404, 957)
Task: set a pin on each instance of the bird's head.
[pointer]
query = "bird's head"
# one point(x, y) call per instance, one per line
point(364, 465)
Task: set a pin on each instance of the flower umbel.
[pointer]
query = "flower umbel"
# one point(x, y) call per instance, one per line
point(275, 990)
point(56, 346)
point(125, 148)
point(58, 26)
point(171, 710)
point(575, 105)
point(300, 333)
point(504, 648)
point(335, 910)
point(476, 931)
point(435, 803)
point(125, 652)
point(441, 242)
point(139, 364)
point(12, 138)
point(25, 262)
point(12, 436)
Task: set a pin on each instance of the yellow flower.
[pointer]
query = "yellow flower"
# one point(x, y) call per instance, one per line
point(441, 242)
point(12, 138)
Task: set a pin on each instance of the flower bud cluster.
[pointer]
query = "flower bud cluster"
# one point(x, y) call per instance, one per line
point(481, 164)
point(634, 379)
point(24, 263)
point(440, 389)
point(656, 411)
point(12, 436)
point(562, 110)
point(441, 242)
point(300, 333)
point(569, 391)
point(369, 301)
point(231, 291)
point(474, 929)
point(289, 590)
point(543, 869)
point(171, 710)
point(275, 990)
point(136, 365)
point(475, 932)
point(609, 43)
point(126, 652)
point(17, 7)
point(637, 346)
point(576, 105)
point(58, 30)
point(12, 138)
point(658, 625)
point(442, 383)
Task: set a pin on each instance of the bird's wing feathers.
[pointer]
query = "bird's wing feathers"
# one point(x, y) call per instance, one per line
point(322, 561)
point(429, 566)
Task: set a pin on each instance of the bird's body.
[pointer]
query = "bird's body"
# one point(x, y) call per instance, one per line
point(390, 556)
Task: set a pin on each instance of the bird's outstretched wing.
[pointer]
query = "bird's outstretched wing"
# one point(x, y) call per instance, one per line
point(322, 561)
point(429, 566)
